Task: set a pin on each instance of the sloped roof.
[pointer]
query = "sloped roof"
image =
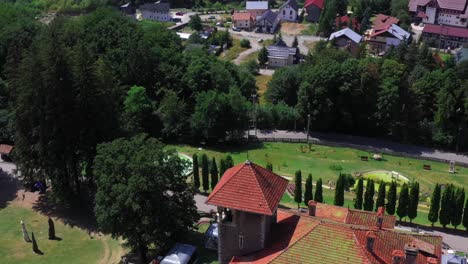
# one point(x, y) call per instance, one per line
point(242, 16)
point(256, 5)
point(446, 30)
point(365, 218)
point(156, 7)
point(292, 3)
point(452, 4)
point(5, 149)
point(319, 3)
point(413, 4)
point(269, 16)
point(348, 33)
point(383, 21)
point(250, 188)
point(394, 30)
point(305, 239)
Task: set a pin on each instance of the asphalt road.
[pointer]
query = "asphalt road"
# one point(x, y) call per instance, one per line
point(456, 242)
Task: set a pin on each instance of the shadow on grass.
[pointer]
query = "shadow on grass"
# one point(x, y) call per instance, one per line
point(9, 185)
point(74, 214)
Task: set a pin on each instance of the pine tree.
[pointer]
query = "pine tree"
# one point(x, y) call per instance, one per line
point(465, 215)
point(222, 168)
point(205, 173)
point(263, 56)
point(308, 196)
point(433, 215)
point(392, 198)
point(458, 208)
point(214, 173)
point(403, 200)
point(339, 191)
point(445, 206)
point(196, 172)
point(318, 191)
point(413, 201)
point(380, 196)
point(298, 189)
point(369, 196)
point(269, 166)
point(359, 193)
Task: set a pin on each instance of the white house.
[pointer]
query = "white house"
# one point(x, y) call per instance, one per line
point(288, 11)
point(159, 11)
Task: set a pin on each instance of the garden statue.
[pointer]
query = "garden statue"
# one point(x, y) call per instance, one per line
point(25, 232)
point(51, 229)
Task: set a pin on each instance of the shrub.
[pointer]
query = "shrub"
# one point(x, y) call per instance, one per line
point(245, 43)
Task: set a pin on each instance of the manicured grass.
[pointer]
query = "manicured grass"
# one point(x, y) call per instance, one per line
point(311, 28)
point(75, 246)
point(262, 82)
point(289, 157)
point(386, 176)
point(233, 52)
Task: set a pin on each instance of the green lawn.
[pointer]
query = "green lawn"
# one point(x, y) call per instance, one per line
point(322, 161)
point(233, 52)
point(75, 246)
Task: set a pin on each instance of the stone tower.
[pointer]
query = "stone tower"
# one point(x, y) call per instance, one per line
point(247, 197)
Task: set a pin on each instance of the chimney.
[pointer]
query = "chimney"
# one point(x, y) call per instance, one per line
point(411, 253)
point(370, 238)
point(398, 256)
point(312, 207)
point(432, 261)
point(380, 215)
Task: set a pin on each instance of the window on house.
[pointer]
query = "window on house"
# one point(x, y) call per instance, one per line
point(241, 241)
point(284, 12)
point(290, 12)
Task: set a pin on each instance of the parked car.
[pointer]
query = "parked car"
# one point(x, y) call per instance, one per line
point(219, 24)
point(236, 29)
point(260, 40)
point(181, 254)
point(212, 17)
point(176, 19)
point(179, 13)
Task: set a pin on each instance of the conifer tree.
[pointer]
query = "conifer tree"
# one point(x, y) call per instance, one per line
point(318, 191)
point(339, 191)
point(392, 198)
point(222, 167)
point(205, 173)
point(458, 208)
point(196, 172)
point(359, 193)
point(214, 173)
point(229, 162)
point(403, 200)
point(298, 189)
point(445, 206)
point(380, 196)
point(413, 201)
point(433, 215)
point(369, 196)
point(269, 166)
point(308, 196)
point(465, 215)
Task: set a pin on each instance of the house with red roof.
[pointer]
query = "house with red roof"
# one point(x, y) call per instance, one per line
point(5, 151)
point(243, 20)
point(252, 230)
point(347, 22)
point(444, 37)
point(383, 36)
point(314, 9)
point(442, 12)
point(382, 21)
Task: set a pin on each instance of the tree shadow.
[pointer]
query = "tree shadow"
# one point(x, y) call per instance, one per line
point(9, 186)
point(74, 214)
point(56, 238)
point(39, 252)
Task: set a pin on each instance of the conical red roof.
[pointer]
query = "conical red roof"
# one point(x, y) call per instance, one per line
point(250, 188)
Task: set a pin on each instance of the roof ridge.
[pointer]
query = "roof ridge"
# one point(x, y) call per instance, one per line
point(216, 190)
point(361, 247)
point(256, 173)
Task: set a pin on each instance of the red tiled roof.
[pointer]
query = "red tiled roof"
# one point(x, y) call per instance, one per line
point(332, 212)
point(5, 149)
point(365, 218)
point(382, 21)
point(446, 30)
point(421, 14)
point(452, 4)
point(342, 22)
point(319, 3)
point(249, 187)
point(242, 16)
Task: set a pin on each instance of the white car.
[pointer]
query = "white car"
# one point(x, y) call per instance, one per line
point(260, 40)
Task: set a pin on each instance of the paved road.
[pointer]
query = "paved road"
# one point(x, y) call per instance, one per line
point(384, 145)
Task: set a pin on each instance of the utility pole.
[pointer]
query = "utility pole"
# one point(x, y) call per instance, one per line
point(308, 127)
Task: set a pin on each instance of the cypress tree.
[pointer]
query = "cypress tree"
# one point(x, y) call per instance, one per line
point(413, 201)
point(229, 162)
point(403, 200)
point(318, 191)
point(369, 196)
point(298, 189)
point(339, 191)
point(445, 206)
point(196, 172)
point(222, 167)
point(214, 173)
point(458, 208)
point(433, 215)
point(465, 215)
point(205, 173)
point(392, 198)
point(269, 166)
point(380, 196)
point(308, 190)
point(359, 192)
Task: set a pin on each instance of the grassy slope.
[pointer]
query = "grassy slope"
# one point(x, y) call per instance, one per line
point(233, 52)
point(288, 157)
point(75, 246)
point(262, 82)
